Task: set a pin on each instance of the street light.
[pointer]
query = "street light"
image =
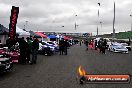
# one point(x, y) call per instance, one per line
point(25, 25)
point(98, 20)
point(76, 22)
point(131, 23)
point(101, 25)
point(114, 23)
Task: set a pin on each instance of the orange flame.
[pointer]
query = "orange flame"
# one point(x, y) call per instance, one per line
point(81, 71)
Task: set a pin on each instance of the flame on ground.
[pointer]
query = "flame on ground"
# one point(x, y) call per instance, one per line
point(81, 71)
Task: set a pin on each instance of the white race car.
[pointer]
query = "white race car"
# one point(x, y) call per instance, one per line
point(117, 47)
point(126, 45)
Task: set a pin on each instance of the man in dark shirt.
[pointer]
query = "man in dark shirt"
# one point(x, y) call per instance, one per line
point(22, 46)
point(28, 50)
point(104, 46)
point(61, 46)
point(66, 44)
point(95, 45)
point(35, 47)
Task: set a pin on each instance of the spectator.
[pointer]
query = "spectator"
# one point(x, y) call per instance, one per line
point(66, 44)
point(28, 50)
point(86, 43)
point(80, 42)
point(22, 47)
point(129, 42)
point(35, 47)
point(104, 46)
point(61, 46)
point(95, 44)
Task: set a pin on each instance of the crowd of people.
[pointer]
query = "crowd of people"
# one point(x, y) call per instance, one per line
point(29, 47)
point(100, 45)
point(63, 45)
point(26, 48)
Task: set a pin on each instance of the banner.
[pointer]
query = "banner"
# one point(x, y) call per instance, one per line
point(13, 21)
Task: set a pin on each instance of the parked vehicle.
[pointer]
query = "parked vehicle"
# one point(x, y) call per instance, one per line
point(126, 45)
point(117, 47)
point(6, 64)
point(46, 49)
point(107, 40)
point(53, 44)
point(52, 47)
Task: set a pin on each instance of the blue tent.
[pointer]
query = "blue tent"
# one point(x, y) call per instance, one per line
point(52, 36)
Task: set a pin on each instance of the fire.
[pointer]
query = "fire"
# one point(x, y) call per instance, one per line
point(81, 71)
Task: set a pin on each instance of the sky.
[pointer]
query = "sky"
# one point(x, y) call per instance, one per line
point(51, 15)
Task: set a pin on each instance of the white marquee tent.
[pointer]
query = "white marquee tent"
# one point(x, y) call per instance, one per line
point(22, 33)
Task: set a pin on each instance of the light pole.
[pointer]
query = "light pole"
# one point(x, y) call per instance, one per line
point(97, 31)
point(131, 23)
point(101, 25)
point(98, 19)
point(114, 23)
point(75, 23)
point(26, 25)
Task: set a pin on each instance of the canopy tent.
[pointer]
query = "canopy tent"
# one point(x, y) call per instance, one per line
point(52, 36)
point(22, 33)
point(32, 33)
point(3, 30)
point(3, 34)
point(66, 38)
point(41, 34)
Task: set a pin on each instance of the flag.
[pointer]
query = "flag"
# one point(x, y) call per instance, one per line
point(13, 21)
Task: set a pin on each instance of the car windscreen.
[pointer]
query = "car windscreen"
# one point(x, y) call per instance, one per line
point(43, 43)
point(125, 44)
point(118, 46)
point(50, 43)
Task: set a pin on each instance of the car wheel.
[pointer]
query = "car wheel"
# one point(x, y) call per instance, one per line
point(130, 49)
point(113, 50)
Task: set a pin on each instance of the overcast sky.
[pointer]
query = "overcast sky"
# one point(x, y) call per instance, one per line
point(51, 15)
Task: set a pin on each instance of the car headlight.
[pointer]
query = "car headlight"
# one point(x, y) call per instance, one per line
point(0, 62)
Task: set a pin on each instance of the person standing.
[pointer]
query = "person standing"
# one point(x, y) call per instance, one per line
point(66, 44)
point(129, 41)
point(95, 45)
point(104, 46)
point(29, 47)
point(86, 42)
point(80, 42)
point(61, 46)
point(35, 47)
point(100, 43)
point(22, 47)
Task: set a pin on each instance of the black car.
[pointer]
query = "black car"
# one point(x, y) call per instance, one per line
point(5, 64)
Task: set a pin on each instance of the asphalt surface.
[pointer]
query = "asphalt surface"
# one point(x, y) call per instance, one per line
point(60, 71)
